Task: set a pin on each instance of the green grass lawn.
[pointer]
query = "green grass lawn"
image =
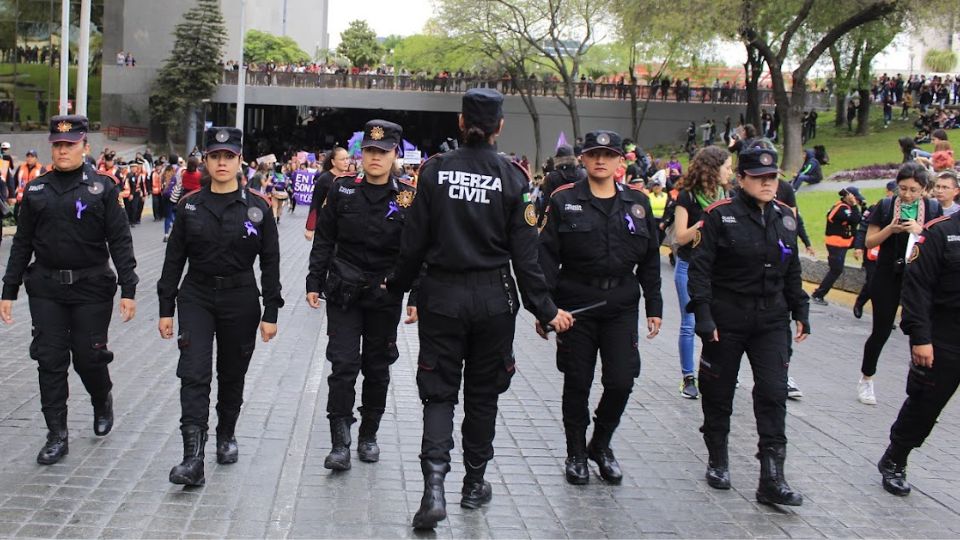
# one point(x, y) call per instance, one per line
point(30, 78)
point(814, 206)
point(848, 151)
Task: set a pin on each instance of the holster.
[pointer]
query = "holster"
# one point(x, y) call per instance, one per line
point(344, 283)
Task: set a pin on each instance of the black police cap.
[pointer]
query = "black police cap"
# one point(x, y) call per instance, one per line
point(609, 140)
point(482, 107)
point(381, 134)
point(757, 161)
point(223, 138)
point(68, 128)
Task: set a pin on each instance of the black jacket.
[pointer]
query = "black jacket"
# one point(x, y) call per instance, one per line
point(931, 285)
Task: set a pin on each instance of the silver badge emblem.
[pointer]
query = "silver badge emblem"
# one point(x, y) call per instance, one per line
point(603, 139)
point(766, 160)
point(638, 211)
point(222, 136)
point(95, 188)
point(255, 215)
point(790, 223)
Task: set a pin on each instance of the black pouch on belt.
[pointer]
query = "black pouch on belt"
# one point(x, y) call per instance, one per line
point(344, 283)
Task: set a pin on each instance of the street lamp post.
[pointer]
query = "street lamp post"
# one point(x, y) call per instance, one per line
point(83, 57)
point(242, 74)
point(64, 56)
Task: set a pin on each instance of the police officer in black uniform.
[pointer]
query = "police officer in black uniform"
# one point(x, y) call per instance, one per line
point(596, 232)
point(220, 229)
point(471, 218)
point(72, 220)
point(931, 317)
point(745, 286)
point(356, 245)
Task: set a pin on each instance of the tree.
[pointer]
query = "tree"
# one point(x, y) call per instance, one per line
point(771, 28)
point(874, 38)
point(261, 47)
point(359, 44)
point(549, 27)
point(191, 73)
point(940, 61)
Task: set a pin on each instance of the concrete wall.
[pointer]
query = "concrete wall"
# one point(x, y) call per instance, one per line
point(665, 122)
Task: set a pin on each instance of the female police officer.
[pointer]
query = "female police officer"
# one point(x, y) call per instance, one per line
point(220, 229)
point(472, 218)
point(72, 220)
point(744, 287)
point(356, 245)
point(931, 294)
point(595, 233)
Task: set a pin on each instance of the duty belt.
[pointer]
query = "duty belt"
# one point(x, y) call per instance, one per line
point(604, 283)
point(468, 277)
point(72, 275)
point(220, 283)
point(749, 301)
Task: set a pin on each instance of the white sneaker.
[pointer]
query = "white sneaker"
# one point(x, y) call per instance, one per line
point(865, 392)
point(793, 391)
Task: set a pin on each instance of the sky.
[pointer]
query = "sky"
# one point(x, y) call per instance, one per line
point(406, 17)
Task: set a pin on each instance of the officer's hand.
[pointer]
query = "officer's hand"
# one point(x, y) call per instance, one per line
point(922, 355)
point(128, 309)
point(308, 234)
point(653, 326)
point(268, 331)
point(313, 299)
point(716, 336)
point(857, 254)
point(810, 251)
point(540, 331)
point(562, 322)
point(912, 226)
point(802, 332)
point(411, 315)
point(166, 327)
point(6, 311)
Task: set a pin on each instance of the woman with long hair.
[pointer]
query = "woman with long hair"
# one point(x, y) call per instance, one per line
point(895, 221)
point(706, 182)
point(335, 164)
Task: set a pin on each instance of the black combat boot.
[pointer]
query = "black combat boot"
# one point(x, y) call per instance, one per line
point(893, 468)
point(56, 446)
point(227, 450)
point(190, 471)
point(476, 491)
point(718, 466)
point(599, 451)
point(103, 416)
point(339, 457)
point(433, 505)
point(576, 468)
point(773, 488)
point(367, 448)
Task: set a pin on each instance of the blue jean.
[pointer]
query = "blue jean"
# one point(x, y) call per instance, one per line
point(800, 179)
point(916, 152)
point(168, 217)
point(687, 322)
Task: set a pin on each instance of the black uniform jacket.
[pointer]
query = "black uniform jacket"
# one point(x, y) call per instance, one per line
point(742, 252)
point(223, 246)
point(71, 221)
point(361, 224)
point(581, 240)
point(931, 286)
point(473, 213)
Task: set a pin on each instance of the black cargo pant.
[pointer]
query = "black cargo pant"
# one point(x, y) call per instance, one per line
point(929, 389)
point(231, 316)
point(467, 323)
point(615, 338)
point(65, 331)
point(761, 328)
point(370, 326)
point(836, 257)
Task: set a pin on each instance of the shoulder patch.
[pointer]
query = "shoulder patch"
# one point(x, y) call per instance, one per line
point(407, 182)
point(940, 219)
point(561, 188)
point(718, 204)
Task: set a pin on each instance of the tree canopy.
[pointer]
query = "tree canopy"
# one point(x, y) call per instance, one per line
point(358, 43)
point(260, 47)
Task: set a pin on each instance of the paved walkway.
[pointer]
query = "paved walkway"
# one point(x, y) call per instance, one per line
point(116, 486)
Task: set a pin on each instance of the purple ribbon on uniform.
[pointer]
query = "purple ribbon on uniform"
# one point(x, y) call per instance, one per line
point(630, 225)
point(80, 208)
point(393, 209)
point(251, 230)
point(785, 252)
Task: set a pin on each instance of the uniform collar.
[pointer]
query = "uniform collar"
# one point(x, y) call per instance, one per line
point(240, 195)
point(584, 193)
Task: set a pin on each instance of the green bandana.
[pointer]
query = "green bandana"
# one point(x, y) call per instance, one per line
point(910, 211)
point(704, 201)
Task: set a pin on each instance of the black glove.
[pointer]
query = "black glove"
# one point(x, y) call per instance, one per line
point(705, 325)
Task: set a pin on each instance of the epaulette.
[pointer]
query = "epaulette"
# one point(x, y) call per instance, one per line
point(187, 196)
point(940, 219)
point(44, 173)
point(783, 204)
point(717, 204)
point(562, 188)
point(407, 182)
point(254, 193)
point(110, 176)
point(526, 173)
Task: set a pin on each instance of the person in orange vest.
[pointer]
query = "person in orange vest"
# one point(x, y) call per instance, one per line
point(110, 166)
point(134, 189)
point(842, 221)
point(25, 173)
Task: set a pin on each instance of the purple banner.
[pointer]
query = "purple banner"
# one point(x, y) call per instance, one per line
point(303, 187)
